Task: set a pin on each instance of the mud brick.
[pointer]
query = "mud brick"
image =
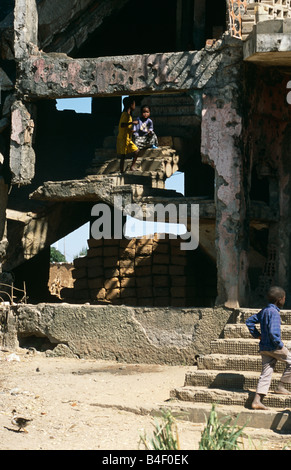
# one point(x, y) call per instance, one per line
point(80, 284)
point(176, 270)
point(95, 271)
point(98, 294)
point(144, 241)
point(128, 300)
point(83, 294)
point(110, 262)
point(143, 270)
point(161, 248)
point(178, 291)
point(111, 272)
point(112, 283)
point(128, 253)
point(92, 243)
point(127, 282)
point(92, 262)
point(161, 259)
point(112, 294)
point(144, 250)
point(179, 281)
point(161, 291)
point(160, 281)
point(111, 251)
point(176, 250)
point(178, 302)
point(161, 301)
point(143, 261)
point(79, 273)
point(179, 260)
point(95, 283)
point(127, 272)
point(145, 302)
point(95, 252)
point(127, 292)
point(143, 281)
point(124, 243)
point(144, 292)
point(111, 242)
point(125, 263)
point(80, 262)
point(160, 269)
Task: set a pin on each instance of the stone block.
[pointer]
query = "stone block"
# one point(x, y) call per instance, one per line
point(95, 283)
point(93, 243)
point(126, 272)
point(127, 292)
point(112, 294)
point(143, 281)
point(160, 281)
point(143, 270)
point(112, 283)
point(160, 269)
point(95, 252)
point(127, 282)
point(98, 294)
point(95, 271)
point(79, 273)
point(80, 284)
point(161, 259)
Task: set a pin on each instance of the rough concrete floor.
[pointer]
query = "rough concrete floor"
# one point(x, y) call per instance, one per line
point(87, 404)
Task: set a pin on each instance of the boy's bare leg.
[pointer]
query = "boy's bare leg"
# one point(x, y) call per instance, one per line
point(135, 155)
point(122, 159)
point(282, 390)
point(257, 402)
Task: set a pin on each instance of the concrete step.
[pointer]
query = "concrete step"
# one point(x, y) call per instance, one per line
point(272, 419)
point(235, 346)
point(233, 362)
point(228, 380)
point(244, 313)
point(241, 331)
point(242, 398)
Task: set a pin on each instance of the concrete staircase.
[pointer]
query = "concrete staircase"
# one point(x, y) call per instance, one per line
point(228, 376)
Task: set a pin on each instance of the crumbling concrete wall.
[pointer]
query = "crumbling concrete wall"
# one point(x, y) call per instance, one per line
point(267, 150)
point(135, 335)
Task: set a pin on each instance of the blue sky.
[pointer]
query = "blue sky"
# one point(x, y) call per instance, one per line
point(73, 243)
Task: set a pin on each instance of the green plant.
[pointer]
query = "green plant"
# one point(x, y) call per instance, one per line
point(165, 435)
point(56, 256)
point(218, 435)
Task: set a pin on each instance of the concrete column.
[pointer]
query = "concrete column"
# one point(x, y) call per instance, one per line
point(25, 27)
point(221, 131)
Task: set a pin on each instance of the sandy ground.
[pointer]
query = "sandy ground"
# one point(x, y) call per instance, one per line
point(93, 405)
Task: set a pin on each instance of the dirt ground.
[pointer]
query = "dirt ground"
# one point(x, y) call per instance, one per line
point(79, 404)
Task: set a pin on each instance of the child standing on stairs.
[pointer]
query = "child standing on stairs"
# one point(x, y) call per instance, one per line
point(143, 132)
point(124, 145)
point(271, 346)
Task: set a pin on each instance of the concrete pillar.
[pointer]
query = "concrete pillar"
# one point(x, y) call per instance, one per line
point(221, 131)
point(25, 27)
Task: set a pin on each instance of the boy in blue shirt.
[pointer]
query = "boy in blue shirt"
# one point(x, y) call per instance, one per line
point(271, 346)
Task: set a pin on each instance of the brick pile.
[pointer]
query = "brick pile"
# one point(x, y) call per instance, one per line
point(140, 271)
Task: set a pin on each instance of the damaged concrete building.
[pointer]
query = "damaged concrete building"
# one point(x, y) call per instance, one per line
point(215, 74)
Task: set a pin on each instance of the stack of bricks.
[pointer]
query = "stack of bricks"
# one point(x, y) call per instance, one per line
point(140, 272)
